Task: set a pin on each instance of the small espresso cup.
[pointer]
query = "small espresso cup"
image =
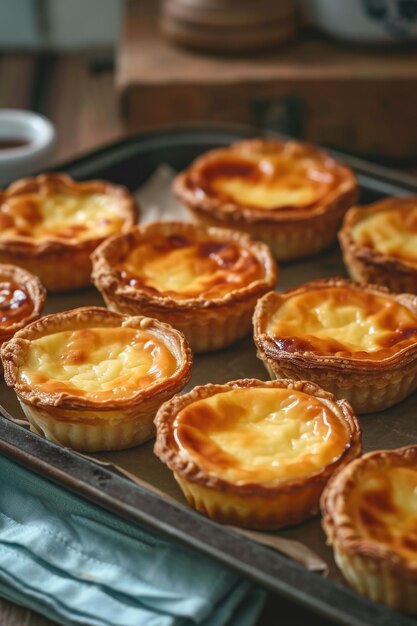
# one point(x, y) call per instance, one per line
point(26, 143)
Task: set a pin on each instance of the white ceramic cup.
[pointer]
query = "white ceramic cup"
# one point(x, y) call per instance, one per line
point(37, 135)
point(365, 21)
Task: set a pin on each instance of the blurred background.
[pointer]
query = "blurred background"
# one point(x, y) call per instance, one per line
point(343, 74)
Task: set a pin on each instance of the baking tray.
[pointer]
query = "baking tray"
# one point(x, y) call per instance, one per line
point(131, 163)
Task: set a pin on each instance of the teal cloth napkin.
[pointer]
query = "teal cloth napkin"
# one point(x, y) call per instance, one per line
point(77, 564)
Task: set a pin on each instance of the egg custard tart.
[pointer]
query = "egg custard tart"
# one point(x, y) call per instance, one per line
point(379, 243)
point(290, 195)
point(203, 281)
point(22, 297)
point(50, 224)
point(357, 341)
point(91, 379)
point(370, 519)
point(256, 454)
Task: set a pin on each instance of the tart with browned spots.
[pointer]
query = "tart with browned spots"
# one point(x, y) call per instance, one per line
point(22, 298)
point(379, 243)
point(203, 281)
point(50, 225)
point(92, 379)
point(357, 341)
point(289, 194)
point(256, 454)
point(370, 519)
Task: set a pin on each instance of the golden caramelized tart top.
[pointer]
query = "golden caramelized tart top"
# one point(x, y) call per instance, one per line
point(370, 518)
point(15, 302)
point(379, 243)
point(96, 363)
point(54, 208)
point(266, 177)
point(184, 264)
point(256, 454)
point(289, 195)
point(181, 267)
point(50, 225)
point(93, 356)
point(384, 509)
point(260, 434)
point(338, 318)
point(391, 230)
point(357, 341)
point(91, 379)
point(21, 299)
point(203, 281)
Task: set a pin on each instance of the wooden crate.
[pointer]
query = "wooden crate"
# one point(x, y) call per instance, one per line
point(364, 101)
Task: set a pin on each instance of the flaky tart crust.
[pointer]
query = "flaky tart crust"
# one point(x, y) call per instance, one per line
point(35, 299)
point(210, 319)
point(291, 230)
point(93, 421)
point(369, 383)
point(254, 499)
point(61, 259)
point(367, 263)
point(376, 558)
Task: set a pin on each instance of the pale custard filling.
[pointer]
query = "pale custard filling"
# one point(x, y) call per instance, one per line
point(384, 507)
point(182, 268)
point(392, 233)
point(344, 322)
point(62, 215)
point(260, 434)
point(269, 182)
point(97, 363)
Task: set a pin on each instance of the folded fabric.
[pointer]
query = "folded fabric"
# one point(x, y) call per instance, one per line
point(78, 564)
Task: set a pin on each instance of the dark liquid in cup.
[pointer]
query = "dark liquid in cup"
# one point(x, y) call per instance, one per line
point(6, 143)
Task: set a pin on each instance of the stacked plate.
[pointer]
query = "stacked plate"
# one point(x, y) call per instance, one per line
point(229, 25)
